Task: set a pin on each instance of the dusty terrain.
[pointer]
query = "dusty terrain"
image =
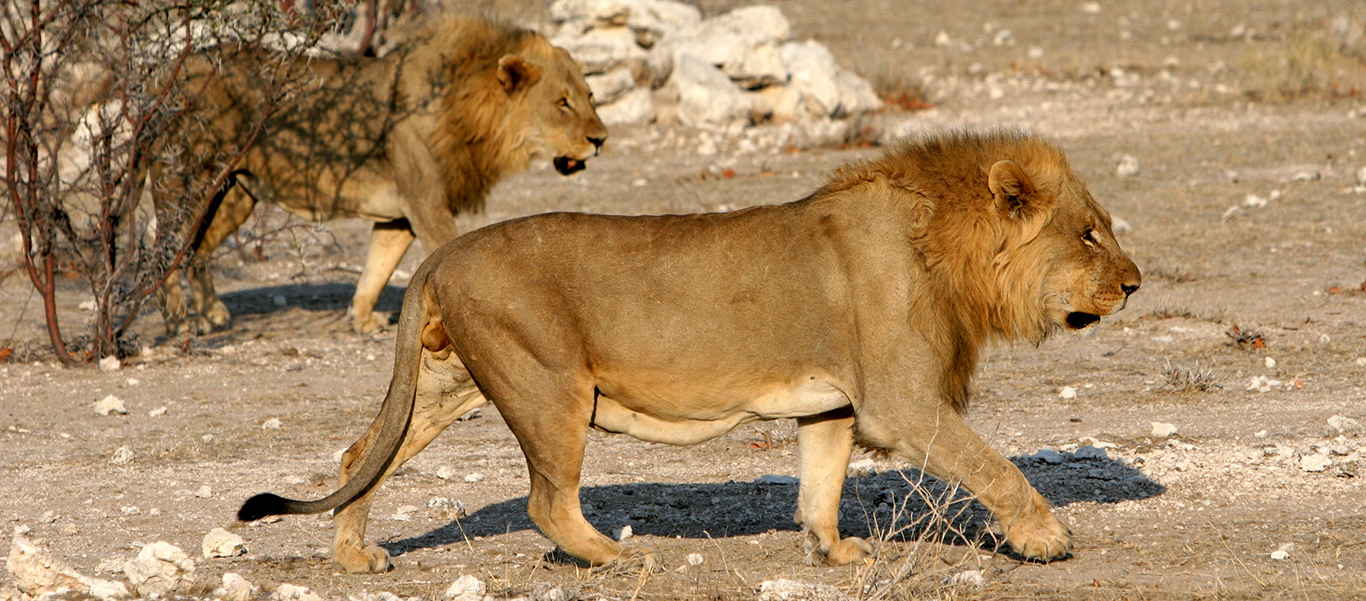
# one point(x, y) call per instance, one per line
point(1253, 105)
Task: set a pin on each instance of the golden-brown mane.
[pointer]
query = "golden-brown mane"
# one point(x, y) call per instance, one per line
point(476, 135)
point(982, 277)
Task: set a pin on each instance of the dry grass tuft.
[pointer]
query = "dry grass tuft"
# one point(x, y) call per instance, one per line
point(1189, 379)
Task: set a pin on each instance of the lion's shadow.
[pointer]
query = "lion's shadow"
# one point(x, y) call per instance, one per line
point(327, 296)
point(895, 504)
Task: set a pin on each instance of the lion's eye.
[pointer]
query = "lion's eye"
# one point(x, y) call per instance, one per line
point(564, 104)
point(1089, 237)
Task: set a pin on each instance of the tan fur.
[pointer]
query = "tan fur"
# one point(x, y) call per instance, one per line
point(858, 310)
point(407, 141)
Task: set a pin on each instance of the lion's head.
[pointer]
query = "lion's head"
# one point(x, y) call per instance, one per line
point(512, 97)
point(555, 105)
point(1010, 236)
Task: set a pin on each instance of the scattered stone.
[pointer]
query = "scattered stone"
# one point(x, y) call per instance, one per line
point(445, 472)
point(110, 363)
point(625, 532)
point(1262, 383)
point(272, 424)
point(294, 592)
point(792, 590)
point(221, 543)
point(1270, 363)
point(122, 456)
point(636, 106)
point(775, 479)
point(863, 467)
point(1068, 392)
point(1163, 430)
point(1089, 452)
point(1343, 424)
point(1049, 456)
point(203, 492)
point(970, 578)
point(546, 592)
point(158, 569)
point(1315, 462)
point(158, 412)
point(1283, 552)
point(474, 477)
point(695, 559)
point(705, 94)
point(1128, 166)
point(466, 588)
point(36, 573)
point(110, 405)
point(235, 588)
point(279, 300)
point(404, 513)
point(1253, 201)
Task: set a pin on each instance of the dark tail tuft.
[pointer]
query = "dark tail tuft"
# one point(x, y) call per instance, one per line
point(262, 505)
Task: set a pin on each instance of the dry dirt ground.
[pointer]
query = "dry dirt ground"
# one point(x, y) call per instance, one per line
point(1253, 105)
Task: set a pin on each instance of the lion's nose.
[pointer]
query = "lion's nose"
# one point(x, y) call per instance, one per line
point(1128, 288)
point(596, 141)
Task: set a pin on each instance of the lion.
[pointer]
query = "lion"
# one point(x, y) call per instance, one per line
point(858, 310)
point(406, 141)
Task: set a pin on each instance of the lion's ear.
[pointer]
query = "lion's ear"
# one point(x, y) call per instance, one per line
point(516, 74)
point(1014, 192)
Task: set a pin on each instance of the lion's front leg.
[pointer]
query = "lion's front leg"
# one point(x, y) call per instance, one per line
point(951, 451)
point(825, 443)
point(389, 240)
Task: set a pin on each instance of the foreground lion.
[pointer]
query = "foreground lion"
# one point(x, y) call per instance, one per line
point(858, 310)
point(406, 141)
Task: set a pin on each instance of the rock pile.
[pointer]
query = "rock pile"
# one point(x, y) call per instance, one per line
point(657, 60)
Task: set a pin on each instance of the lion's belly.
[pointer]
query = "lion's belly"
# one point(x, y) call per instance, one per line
point(691, 422)
point(362, 195)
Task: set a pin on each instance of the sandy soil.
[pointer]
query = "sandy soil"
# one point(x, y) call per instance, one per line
point(1217, 127)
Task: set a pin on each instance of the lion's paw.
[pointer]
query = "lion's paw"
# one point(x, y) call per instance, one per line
point(844, 551)
point(632, 559)
point(369, 324)
point(368, 560)
point(218, 315)
point(1041, 537)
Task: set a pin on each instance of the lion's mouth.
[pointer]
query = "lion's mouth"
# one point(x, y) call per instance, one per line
point(569, 166)
point(1078, 319)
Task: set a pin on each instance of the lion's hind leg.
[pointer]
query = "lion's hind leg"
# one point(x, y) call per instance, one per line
point(232, 212)
point(549, 413)
point(444, 393)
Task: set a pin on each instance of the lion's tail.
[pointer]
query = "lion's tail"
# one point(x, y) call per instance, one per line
point(395, 415)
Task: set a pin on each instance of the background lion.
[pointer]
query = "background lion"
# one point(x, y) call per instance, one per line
point(406, 141)
point(858, 310)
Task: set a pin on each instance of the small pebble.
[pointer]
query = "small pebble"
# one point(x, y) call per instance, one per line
point(1270, 363)
point(110, 405)
point(122, 456)
point(474, 477)
point(1068, 392)
point(271, 424)
point(1163, 429)
point(625, 532)
point(695, 559)
point(1127, 167)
